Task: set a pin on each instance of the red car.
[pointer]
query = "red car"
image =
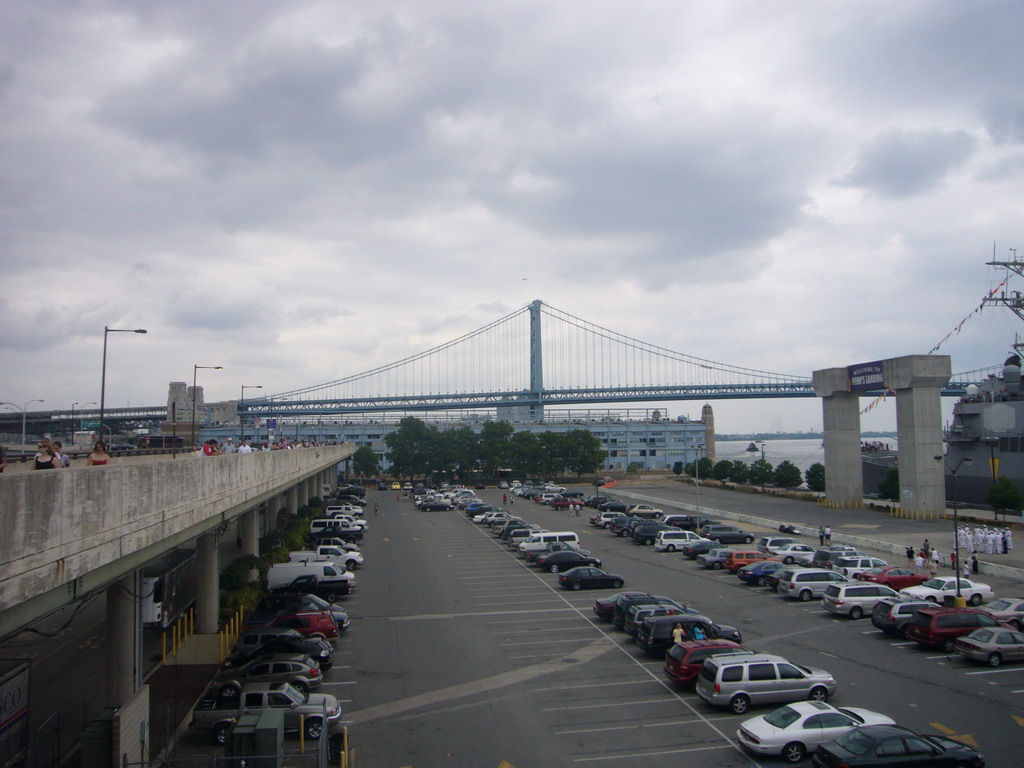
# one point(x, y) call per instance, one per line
point(893, 576)
point(604, 608)
point(683, 660)
point(560, 502)
point(309, 623)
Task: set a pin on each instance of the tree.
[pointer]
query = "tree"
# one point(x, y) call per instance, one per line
point(787, 475)
point(815, 477)
point(740, 472)
point(722, 471)
point(495, 445)
point(364, 462)
point(1003, 495)
point(583, 452)
point(552, 453)
point(409, 448)
point(524, 454)
point(677, 468)
point(633, 468)
point(889, 485)
point(760, 473)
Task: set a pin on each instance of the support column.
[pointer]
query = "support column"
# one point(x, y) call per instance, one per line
point(918, 381)
point(292, 500)
point(248, 529)
point(207, 585)
point(122, 629)
point(536, 361)
point(844, 478)
point(303, 490)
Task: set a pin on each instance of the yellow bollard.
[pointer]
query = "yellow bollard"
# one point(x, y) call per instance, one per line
point(302, 734)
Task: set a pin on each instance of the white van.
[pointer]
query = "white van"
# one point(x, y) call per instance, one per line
point(539, 541)
point(670, 541)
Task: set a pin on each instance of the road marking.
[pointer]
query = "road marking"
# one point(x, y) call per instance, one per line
point(596, 685)
point(542, 642)
point(607, 704)
point(633, 727)
point(830, 655)
point(647, 753)
point(994, 671)
point(340, 682)
point(901, 645)
point(966, 738)
point(422, 616)
point(1020, 720)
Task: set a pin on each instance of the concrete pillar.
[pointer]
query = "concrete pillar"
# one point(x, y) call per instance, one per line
point(122, 629)
point(844, 479)
point(303, 490)
point(918, 381)
point(312, 488)
point(207, 585)
point(292, 500)
point(248, 531)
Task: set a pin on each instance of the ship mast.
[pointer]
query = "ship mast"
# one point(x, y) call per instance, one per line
point(1012, 300)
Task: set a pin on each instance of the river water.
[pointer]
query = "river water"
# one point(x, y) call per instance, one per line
point(803, 453)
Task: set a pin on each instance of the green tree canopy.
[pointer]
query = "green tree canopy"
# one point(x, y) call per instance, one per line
point(889, 485)
point(815, 477)
point(495, 446)
point(787, 475)
point(409, 448)
point(761, 473)
point(1003, 494)
point(364, 462)
point(677, 468)
point(740, 472)
point(722, 470)
point(583, 452)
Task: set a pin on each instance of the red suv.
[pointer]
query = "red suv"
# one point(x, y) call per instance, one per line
point(309, 623)
point(683, 660)
point(940, 627)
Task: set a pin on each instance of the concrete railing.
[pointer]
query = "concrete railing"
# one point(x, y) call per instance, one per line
point(67, 532)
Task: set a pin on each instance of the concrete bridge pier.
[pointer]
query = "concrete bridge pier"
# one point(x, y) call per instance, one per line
point(207, 585)
point(249, 532)
point(123, 652)
point(844, 477)
point(292, 500)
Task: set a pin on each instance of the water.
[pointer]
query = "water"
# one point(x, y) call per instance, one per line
point(802, 453)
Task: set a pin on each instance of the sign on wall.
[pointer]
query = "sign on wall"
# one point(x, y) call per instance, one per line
point(865, 377)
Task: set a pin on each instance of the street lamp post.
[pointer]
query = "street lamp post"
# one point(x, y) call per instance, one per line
point(103, 378)
point(761, 442)
point(195, 373)
point(241, 405)
point(956, 524)
point(23, 410)
point(696, 472)
point(73, 426)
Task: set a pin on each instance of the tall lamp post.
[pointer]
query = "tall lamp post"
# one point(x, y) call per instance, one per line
point(960, 602)
point(73, 430)
point(103, 379)
point(761, 443)
point(195, 373)
point(696, 472)
point(241, 405)
point(23, 409)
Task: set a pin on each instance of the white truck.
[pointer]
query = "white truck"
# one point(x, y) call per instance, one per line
point(351, 560)
point(327, 577)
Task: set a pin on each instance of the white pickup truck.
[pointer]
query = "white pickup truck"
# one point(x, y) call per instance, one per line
point(350, 560)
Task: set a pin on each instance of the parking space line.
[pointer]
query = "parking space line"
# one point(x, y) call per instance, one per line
point(520, 602)
point(534, 631)
point(536, 656)
point(994, 671)
point(606, 705)
point(339, 682)
point(659, 753)
point(576, 640)
point(609, 728)
point(471, 614)
point(595, 685)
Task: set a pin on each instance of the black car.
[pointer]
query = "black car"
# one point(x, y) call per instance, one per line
point(604, 608)
point(727, 534)
point(436, 505)
point(689, 522)
point(623, 526)
point(382, 486)
point(885, 745)
point(692, 549)
point(589, 578)
point(613, 505)
point(593, 501)
point(351, 490)
point(654, 636)
point(565, 560)
point(291, 642)
point(646, 532)
point(622, 606)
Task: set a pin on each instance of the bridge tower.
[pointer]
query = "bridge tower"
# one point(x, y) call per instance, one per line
point(536, 363)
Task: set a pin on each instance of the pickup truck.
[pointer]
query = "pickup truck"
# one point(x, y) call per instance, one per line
point(216, 715)
point(350, 560)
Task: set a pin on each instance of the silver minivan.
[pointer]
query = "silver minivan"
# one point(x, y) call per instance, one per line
point(739, 682)
point(854, 599)
point(670, 541)
point(809, 583)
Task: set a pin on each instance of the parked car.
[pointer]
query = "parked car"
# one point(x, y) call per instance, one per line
point(809, 583)
point(589, 578)
point(612, 505)
point(671, 539)
point(308, 623)
point(594, 501)
point(553, 546)
point(854, 599)
point(216, 715)
point(939, 588)
point(876, 745)
point(646, 532)
point(622, 606)
point(635, 615)
point(252, 644)
point(768, 544)
point(1009, 610)
point(758, 573)
point(940, 627)
point(644, 510)
point(893, 576)
point(796, 729)
point(275, 604)
point(694, 549)
point(740, 557)
point(714, 558)
point(683, 660)
point(727, 534)
point(654, 636)
point(689, 522)
point(556, 562)
point(780, 576)
point(300, 670)
point(605, 519)
point(825, 557)
point(739, 682)
point(852, 566)
point(604, 607)
point(991, 645)
point(891, 614)
point(794, 554)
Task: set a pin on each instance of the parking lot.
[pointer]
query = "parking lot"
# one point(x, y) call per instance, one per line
point(461, 654)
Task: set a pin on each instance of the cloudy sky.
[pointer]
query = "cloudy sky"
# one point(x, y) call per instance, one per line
point(300, 191)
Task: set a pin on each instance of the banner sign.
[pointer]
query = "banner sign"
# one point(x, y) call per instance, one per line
point(865, 377)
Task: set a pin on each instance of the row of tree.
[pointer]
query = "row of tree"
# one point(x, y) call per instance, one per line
point(417, 449)
point(760, 472)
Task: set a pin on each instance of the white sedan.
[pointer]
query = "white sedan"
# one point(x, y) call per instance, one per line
point(793, 553)
point(936, 590)
point(796, 729)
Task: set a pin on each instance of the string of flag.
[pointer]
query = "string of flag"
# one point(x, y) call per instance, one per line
point(881, 398)
point(976, 310)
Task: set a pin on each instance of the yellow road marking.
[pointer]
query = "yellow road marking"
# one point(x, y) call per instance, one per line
point(966, 738)
point(1020, 720)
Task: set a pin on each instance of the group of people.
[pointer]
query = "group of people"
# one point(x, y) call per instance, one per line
point(212, 448)
point(824, 535)
point(695, 632)
point(51, 455)
point(927, 555)
point(989, 541)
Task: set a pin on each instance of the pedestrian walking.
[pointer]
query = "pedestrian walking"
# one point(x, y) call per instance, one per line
point(926, 548)
point(967, 569)
point(974, 564)
point(910, 557)
point(919, 561)
point(821, 535)
point(375, 509)
point(933, 563)
point(504, 498)
point(678, 635)
point(828, 534)
point(58, 448)
point(99, 456)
